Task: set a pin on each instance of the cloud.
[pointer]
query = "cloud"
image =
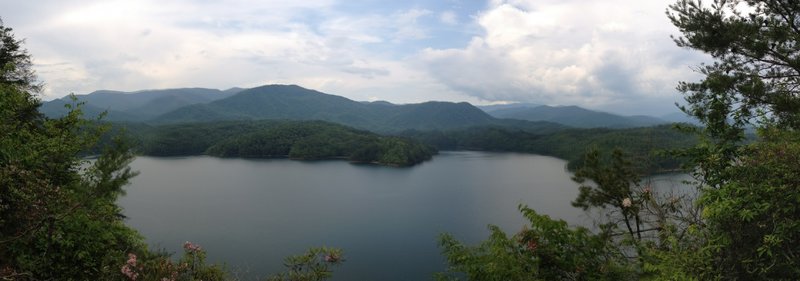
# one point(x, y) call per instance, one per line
point(557, 52)
point(365, 71)
point(448, 18)
point(407, 26)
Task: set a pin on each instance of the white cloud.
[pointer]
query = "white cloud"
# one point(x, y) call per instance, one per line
point(407, 27)
point(448, 18)
point(598, 54)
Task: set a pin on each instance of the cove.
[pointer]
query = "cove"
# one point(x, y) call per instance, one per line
point(252, 213)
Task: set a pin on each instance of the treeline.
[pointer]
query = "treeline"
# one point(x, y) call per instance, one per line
point(645, 146)
point(313, 140)
point(305, 140)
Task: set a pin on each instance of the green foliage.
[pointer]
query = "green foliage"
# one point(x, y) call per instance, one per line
point(749, 191)
point(313, 265)
point(750, 220)
point(307, 140)
point(611, 185)
point(754, 217)
point(15, 63)
point(149, 266)
point(189, 139)
point(58, 214)
point(757, 60)
point(645, 146)
point(679, 257)
point(547, 250)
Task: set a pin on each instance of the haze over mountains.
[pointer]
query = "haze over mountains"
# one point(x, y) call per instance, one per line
point(137, 106)
point(291, 102)
point(572, 116)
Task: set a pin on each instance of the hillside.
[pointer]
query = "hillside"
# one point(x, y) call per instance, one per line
point(58, 108)
point(433, 115)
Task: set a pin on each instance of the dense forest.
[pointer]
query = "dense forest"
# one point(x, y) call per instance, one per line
point(649, 146)
point(302, 140)
point(322, 140)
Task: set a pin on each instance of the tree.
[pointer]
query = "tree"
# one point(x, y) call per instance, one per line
point(15, 63)
point(613, 185)
point(749, 191)
point(546, 250)
point(756, 68)
point(58, 212)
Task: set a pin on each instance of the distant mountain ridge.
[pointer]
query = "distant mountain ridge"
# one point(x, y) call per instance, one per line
point(495, 107)
point(139, 105)
point(572, 116)
point(680, 117)
point(277, 102)
point(292, 102)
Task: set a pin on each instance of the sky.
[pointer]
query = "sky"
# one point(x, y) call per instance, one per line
point(610, 55)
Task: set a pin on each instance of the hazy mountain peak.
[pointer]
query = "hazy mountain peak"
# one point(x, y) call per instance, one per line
point(493, 107)
point(379, 102)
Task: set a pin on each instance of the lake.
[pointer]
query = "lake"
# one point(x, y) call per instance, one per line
point(252, 213)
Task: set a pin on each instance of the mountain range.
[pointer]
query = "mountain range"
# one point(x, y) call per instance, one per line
point(136, 106)
point(572, 116)
point(292, 102)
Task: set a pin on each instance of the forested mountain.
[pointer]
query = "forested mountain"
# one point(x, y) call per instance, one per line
point(275, 102)
point(136, 106)
point(572, 116)
point(433, 115)
point(291, 102)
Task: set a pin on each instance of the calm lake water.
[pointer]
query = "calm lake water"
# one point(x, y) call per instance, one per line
point(253, 213)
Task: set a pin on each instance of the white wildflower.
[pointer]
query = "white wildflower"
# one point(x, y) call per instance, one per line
point(626, 202)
